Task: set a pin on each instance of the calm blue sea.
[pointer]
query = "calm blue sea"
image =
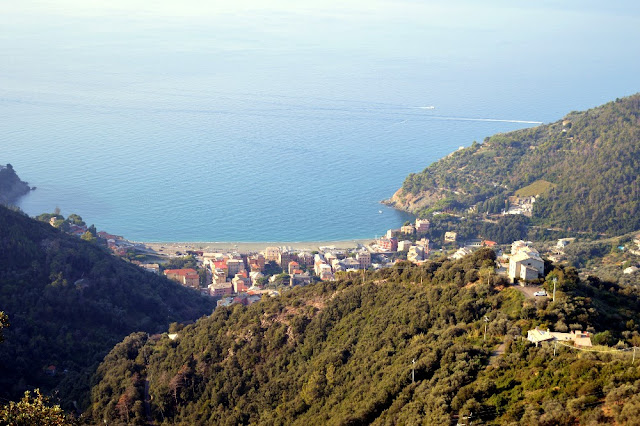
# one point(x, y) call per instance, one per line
point(201, 122)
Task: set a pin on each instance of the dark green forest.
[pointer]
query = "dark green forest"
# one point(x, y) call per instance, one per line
point(68, 303)
point(591, 160)
point(343, 353)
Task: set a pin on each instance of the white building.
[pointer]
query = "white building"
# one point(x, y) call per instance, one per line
point(530, 261)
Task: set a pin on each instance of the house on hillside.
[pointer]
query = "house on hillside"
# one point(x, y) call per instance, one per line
point(580, 339)
point(525, 266)
point(462, 252)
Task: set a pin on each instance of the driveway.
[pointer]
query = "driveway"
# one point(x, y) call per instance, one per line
point(529, 290)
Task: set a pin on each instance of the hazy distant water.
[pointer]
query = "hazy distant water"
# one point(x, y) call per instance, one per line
point(212, 128)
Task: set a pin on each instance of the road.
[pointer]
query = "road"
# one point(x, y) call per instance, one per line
point(147, 401)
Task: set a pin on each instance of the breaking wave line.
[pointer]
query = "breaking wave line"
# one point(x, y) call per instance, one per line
point(498, 120)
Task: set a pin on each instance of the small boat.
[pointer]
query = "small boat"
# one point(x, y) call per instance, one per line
point(380, 211)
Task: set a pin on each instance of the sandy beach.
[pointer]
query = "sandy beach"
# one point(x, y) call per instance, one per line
point(170, 248)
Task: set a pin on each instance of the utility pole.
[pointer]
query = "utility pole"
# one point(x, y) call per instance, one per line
point(413, 371)
point(633, 360)
point(555, 280)
point(555, 345)
point(486, 321)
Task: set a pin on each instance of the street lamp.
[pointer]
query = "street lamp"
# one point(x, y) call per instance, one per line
point(486, 321)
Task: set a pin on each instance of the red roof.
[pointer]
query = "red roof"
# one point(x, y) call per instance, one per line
point(489, 243)
point(220, 264)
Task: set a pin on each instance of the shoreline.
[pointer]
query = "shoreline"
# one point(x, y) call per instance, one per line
point(246, 247)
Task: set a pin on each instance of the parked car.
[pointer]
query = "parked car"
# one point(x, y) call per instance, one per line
point(540, 293)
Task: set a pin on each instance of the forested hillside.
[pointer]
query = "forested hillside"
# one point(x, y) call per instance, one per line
point(343, 353)
point(68, 303)
point(585, 168)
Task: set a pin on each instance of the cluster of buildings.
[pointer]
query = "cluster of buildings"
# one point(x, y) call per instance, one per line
point(244, 278)
point(520, 205)
point(417, 251)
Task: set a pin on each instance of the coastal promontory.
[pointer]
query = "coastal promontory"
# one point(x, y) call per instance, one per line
point(11, 187)
point(580, 172)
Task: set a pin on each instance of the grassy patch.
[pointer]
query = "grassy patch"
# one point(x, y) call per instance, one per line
point(538, 187)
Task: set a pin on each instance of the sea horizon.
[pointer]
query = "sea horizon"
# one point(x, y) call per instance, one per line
point(265, 124)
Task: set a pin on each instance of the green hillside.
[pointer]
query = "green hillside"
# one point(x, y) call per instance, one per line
point(591, 158)
point(69, 302)
point(343, 353)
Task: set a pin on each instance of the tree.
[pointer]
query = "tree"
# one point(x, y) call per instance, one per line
point(33, 411)
point(88, 236)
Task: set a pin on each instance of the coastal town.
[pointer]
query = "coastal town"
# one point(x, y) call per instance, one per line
point(244, 273)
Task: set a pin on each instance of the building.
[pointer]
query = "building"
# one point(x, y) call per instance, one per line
point(630, 270)
point(404, 245)
point(257, 262)
point(284, 257)
point(325, 272)
point(529, 260)
point(563, 242)
point(241, 283)
point(350, 263)
point(392, 233)
point(330, 257)
point(221, 289)
point(234, 266)
point(528, 273)
point(151, 267)
point(187, 277)
point(388, 244)
point(292, 266)
point(305, 258)
point(579, 338)
point(416, 254)
point(408, 229)
point(271, 254)
point(255, 276)
point(422, 226)
point(474, 244)
point(364, 257)
point(450, 237)
point(462, 252)
point(520, 245)
point(300, 278)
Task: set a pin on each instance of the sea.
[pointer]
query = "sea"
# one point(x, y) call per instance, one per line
point(287, 121)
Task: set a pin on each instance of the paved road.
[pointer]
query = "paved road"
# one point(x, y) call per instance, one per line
point(493, 359)
point(529, 290)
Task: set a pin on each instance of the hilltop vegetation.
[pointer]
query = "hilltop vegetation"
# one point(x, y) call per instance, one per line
point(590, 159)
point(68, 303)
point(342, 353)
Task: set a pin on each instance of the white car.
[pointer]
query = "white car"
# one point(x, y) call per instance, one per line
point(540, 293)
